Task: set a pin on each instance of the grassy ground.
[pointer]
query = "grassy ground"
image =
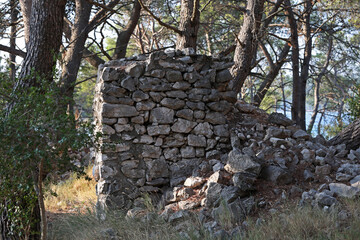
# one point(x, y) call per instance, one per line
point(72, 217)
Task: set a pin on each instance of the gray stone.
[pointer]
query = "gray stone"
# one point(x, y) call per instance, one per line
point(176, 94)
point(183, 168)
point(112, 90)
point(162, 115)
point(276, 174)
point(343, 190)
point(106, 129)
point(191, 77)
point(119, 110)
point(323, 170)
point(145, 105)
point(199, 152)
point(238, 162)
point(140, 96)
point(172, 103)
point(223, 76)
point(158, 73)
point(150, 151)
point(307, 156)
point(146, 139)
point(194, 182)
point(215, 118)
point(324, 200)
point(308, 175)
point(173, 76)
point(187, 152)
point(203, 83)
point(109, 121)
point(198, 114)
point(157, 168)
point(121, 128)
point(138, 120)
point(129, 84)
point(135, 70)
point(212, 193)
point(183, 126)
point(196, 105)
point(158, 130)
point(156, 96)
point(171, 154)
point(277, 133)
point(181, 85)
point(355, 182)
point(280, 119)
point(221, 130)
point(203, 129)
point(196, 141)
point(245, 182)
point(186, 114)
point(110, 74)
point(301, 134)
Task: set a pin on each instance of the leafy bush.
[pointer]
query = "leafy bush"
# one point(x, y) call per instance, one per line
point(36, 137)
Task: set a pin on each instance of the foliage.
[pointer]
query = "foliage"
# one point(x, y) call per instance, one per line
point(35, 130)
point(354, 104)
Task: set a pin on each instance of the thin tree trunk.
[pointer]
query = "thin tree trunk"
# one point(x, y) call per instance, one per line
point(123, 38)
point(322, 116)
point(317, 88)
point(75, 51)
point(246, 43)
point(270, 77)
point(283, 93)
point(189, 24)
point(295, 61)
point(13, 32)
point(25, 6)
point(305, 66)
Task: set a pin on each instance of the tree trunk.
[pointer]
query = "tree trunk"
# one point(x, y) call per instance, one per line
point(246, 43)
point(13, 32)
point(44, 42)
point(189, 24)
point(305, 66)
point(295, 62)
point(123, 38)
point(74, 53)
point(317, 88)
point(25, 6)
point(350, 136)
point(270, 77)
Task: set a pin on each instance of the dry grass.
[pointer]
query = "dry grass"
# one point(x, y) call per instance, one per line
point(74, 194)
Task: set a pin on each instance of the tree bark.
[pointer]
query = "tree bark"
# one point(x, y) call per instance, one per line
point(305, 66)
point(74, 53)
point(189, 24)
point(317, 88)
point(25, 6)
point(350, 136)
point(44, 42)
point(123, 38)
point(13, 32)
point(246, 43)
point(295, 61)
point(270, 77)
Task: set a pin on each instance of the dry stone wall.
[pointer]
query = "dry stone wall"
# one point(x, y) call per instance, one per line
point(160, 116)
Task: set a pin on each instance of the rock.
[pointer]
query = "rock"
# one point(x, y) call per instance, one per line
point(245, 182)
point(215, 118)
point(212, 193)
point(194, 182)
point(343, 190)
point(183, 126)
point(135, 70)
point(139, 96)
point(223, 76)
point(324, 200)
point(171, 154)
point(238, 162)
point(301, 134)
point(221, 130)
point(150, 151)
point(188, 152)
point(280, 119)
point(162, 115)
point(186, 114)
point(145, 105)
point(277, 133)
point(276, 174)
point(308, 175)
point(307, 156)
point(203, 129)
point(157, 168)
point(355, 182)
point(323, 170)
point(119, 110)
point(173, 76)
point(158, 130)
point(107, 130)
point(172, 103)
point(196, 141)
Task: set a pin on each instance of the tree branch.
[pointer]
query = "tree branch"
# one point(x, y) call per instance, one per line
point(14, 51)
point(168, 26)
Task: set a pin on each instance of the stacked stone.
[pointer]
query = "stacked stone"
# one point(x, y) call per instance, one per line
point(163, 114)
